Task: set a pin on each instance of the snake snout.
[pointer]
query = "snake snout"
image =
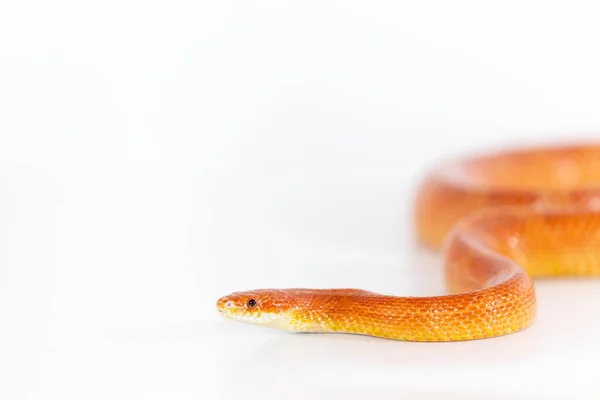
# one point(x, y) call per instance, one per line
point(224, 303)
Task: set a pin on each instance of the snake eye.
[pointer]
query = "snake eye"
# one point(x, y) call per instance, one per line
point(251, 303)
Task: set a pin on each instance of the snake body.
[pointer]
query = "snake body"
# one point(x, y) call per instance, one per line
point(500, 220)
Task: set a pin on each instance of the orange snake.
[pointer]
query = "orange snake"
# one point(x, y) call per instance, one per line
point(500, 219)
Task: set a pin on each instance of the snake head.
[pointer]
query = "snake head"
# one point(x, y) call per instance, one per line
point(267, 307)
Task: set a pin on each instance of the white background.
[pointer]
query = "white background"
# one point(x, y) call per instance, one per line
point(155, 155)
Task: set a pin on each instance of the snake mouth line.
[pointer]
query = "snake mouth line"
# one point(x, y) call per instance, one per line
point(262, 318)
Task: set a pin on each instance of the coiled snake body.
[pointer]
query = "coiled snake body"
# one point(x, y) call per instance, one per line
point(499, 219)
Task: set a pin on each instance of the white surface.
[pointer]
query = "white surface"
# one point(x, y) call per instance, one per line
point(156, 155)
